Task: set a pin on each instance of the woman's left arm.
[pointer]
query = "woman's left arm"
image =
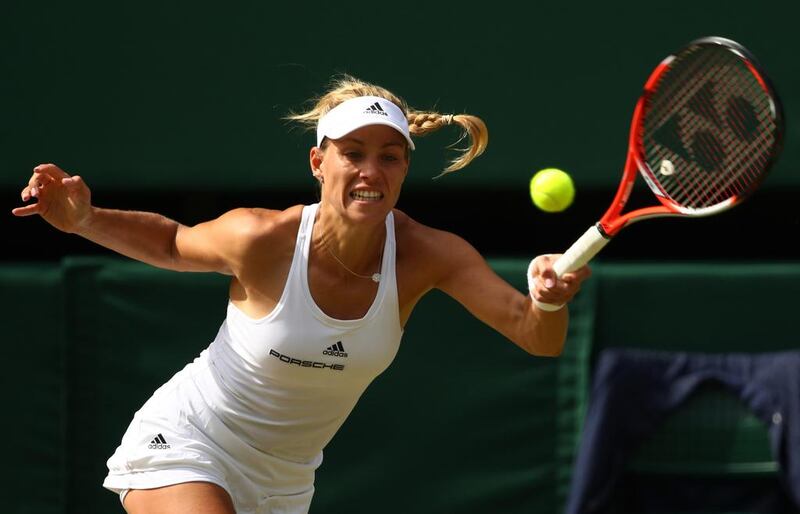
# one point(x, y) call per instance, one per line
point(468, 279)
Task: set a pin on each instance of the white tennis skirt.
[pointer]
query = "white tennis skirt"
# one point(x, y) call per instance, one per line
point(175, 438)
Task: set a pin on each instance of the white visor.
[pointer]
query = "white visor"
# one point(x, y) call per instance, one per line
point(359, 112)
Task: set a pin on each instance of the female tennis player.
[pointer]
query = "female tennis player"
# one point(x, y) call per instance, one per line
point(319, 295)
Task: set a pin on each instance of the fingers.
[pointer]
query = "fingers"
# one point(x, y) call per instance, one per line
point(578, 275)
point(28, 210)
point(30, 191)
point(543, 283)
point(36, 184)
point(548, 277)
point(557, 292)
point(542, 263)
point(547, 287)
point(543, 267)
point(74, 182)
point(51, 171)
point(45, 175)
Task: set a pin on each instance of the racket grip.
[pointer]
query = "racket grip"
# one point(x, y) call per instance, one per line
point(581, 251)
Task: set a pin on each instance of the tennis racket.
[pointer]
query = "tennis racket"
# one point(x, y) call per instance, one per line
point(705, 132)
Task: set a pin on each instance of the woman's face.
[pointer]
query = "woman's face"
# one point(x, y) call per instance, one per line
point(362, 173)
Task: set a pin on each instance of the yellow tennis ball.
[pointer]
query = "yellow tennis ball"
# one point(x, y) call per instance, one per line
point(552, 190)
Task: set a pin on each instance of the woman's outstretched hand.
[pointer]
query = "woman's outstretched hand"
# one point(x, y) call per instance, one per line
point(64, 201)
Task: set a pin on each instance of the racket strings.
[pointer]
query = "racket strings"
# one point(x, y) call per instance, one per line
point(711, 149)
point(709, 128)
point(742, 144)
point(685, 88)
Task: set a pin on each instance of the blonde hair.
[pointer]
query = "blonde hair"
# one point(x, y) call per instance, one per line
point(420, 123)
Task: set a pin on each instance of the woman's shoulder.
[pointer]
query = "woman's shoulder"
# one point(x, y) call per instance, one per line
point(428, 255)
point(422, 239)
point(408, 230)
point(259, 225)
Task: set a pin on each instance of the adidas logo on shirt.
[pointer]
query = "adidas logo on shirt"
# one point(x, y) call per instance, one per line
point(159, 443)
point(336, 350)
point(375, 109)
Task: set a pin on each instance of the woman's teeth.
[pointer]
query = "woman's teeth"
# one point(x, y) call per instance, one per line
point(366, 195)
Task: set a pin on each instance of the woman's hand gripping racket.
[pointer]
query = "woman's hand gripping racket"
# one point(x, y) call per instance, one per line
point(705, 132)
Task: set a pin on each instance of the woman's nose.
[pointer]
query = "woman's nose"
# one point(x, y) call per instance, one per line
point(368, 167)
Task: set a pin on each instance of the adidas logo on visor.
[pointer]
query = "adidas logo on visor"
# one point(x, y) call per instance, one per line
point(375, 109)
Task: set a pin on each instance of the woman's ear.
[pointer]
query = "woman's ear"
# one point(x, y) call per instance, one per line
point(315, 160)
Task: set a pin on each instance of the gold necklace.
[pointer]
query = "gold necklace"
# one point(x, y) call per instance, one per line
point(375, 277)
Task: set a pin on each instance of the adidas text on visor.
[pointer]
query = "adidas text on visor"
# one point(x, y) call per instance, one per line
point(359, 112)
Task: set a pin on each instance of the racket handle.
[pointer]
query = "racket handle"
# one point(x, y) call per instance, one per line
point(581, 251)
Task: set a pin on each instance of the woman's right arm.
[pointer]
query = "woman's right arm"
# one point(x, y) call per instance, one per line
point(64, 201)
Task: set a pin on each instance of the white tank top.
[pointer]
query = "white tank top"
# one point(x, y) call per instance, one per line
point(286, 382)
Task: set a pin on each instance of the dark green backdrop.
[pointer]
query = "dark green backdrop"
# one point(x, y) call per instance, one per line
point(165, 95)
